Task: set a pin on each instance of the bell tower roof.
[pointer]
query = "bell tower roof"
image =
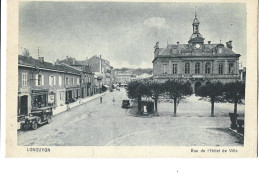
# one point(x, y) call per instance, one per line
point(196, 36)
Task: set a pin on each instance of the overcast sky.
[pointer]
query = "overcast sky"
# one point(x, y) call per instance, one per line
point(124, 33)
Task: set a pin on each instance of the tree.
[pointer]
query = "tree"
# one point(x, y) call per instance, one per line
point(136, 90)
point(156, 89)
point(177, 90)
point(213, 91)
point(234, 92)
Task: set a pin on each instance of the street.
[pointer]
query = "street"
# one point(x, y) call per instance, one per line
point(99, 124)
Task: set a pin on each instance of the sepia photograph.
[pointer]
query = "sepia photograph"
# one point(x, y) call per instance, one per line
point(133, 74)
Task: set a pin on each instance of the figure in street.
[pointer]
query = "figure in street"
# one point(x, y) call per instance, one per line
point(113, 101)
point(100, 100)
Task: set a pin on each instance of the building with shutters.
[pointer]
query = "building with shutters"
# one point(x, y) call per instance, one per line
point(196, 62)
point(87, 77)
point(42, 84)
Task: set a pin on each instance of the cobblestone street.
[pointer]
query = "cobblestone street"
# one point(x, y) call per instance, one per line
point(95, 124)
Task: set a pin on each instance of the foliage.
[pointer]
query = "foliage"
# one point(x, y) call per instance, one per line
point(176, 90)
point(233, 91)
point(213, 91)
point(136, 90)
point(156, 89)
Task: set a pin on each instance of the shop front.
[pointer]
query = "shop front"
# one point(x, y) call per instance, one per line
point(39, 98)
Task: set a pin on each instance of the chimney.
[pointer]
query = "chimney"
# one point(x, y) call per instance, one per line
point(156, 49)
point(178, 42)
point(209, 42)
point(57, 61)
point(41, 59)
point(229, 45)
point(156, 45)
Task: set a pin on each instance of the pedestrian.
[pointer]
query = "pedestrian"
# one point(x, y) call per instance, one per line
point(68, 107)
point(113, 101)
point(100, 100)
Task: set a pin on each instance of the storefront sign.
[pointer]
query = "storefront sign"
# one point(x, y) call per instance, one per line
point(51, 99)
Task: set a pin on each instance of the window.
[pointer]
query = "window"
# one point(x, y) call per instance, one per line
point(51, 80)
point(219, 50)
point(187, 68)
point(165, 69)
point(72, 81)
point(197, 68)
point(174, 69)
point(77, 81)
point(230, 68)
point(40, 80)
point(60, 81)
point(220, 68)
point(24, 79)
point(207, 68)
point(67, 81)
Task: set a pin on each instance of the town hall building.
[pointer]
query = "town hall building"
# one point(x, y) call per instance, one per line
point(196, 62)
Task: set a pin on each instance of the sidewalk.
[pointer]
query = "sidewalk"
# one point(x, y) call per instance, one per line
point(79, 102)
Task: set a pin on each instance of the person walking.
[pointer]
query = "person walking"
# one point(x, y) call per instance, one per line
point(100, 100)
point(113, 101)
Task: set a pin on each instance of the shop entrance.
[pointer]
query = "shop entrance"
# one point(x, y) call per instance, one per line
point(23, 105)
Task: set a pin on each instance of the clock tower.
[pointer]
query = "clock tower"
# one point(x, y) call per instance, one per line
point(196, 39)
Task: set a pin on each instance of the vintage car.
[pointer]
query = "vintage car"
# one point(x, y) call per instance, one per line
point(117, 88)
point(125, 104)
point(37, 117)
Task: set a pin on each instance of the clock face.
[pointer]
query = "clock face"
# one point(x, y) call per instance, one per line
point(197, 45)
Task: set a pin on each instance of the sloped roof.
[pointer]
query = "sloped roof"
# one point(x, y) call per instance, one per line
point(73, 62)
point(186, 50)
point(28, 61)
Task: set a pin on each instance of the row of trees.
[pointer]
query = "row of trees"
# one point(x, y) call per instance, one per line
point(174, 89)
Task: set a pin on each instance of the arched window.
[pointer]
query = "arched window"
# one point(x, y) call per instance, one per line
point(207, 68)
point(187, 68)
point(197, 68)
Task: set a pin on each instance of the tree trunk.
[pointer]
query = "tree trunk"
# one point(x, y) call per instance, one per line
point(235, 106)
point(175, 106)
point(155, 106)
point(139, 103)
point(212, 107)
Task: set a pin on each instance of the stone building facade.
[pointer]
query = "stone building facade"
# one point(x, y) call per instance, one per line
point(42, 84)
point(196, 62)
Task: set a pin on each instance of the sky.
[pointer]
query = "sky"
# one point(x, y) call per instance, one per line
point(124, 33)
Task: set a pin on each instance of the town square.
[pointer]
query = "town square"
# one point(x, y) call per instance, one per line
point(144, 78)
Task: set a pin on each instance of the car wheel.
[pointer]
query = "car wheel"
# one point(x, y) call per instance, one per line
point(21, 126)
point(34, 125)
point(49, 120)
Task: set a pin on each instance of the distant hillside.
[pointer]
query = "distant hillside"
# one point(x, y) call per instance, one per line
point(138, 71)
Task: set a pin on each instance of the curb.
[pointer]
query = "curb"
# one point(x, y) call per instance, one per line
point(236, 132)
point(91, 99)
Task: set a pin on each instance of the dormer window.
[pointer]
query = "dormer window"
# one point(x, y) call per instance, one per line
point(220, 50)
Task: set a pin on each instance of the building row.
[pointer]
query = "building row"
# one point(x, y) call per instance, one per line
point(42, 84)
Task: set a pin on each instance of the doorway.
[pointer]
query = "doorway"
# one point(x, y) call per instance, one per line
point(197, 85)
point(24, 105)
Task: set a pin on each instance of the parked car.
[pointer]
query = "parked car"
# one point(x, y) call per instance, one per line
point(111, 90)
point(117, 88)
point(38, 116)
point(125, 104)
